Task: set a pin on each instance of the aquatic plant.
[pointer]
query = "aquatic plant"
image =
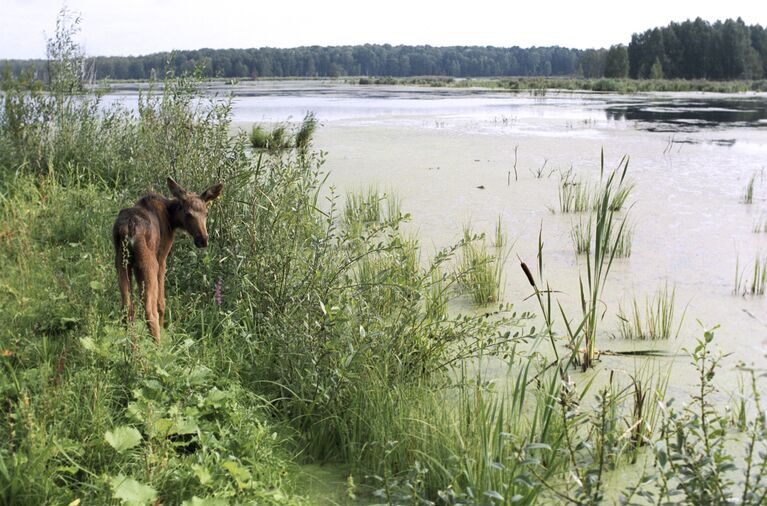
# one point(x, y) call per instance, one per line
point(580, 233)
point(305, 133)
point(760, 225)
point(259, 137)
point(656, 322)
point(575, 196)
point(621, 195)
point(759, 276)
point(758, 281)
point(363, 206)
point(482, 265)
point(748, 193)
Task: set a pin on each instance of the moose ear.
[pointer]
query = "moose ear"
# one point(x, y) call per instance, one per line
point(175, 189)
point(212, 193)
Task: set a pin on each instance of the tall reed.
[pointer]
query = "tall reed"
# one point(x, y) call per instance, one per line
point(748, 193)
point(482, 265)
point(657, 321)
point(757, 283)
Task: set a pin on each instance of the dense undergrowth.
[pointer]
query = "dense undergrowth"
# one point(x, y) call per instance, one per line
point(303, 333)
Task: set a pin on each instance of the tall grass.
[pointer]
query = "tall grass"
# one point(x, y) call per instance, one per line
point(575, 196)
point(656, 322)
point(760, 225)
point(756, 283)
point(305, 133)
point(748, 193)
point(482, 265)
point(363, 206)
point(580, 233)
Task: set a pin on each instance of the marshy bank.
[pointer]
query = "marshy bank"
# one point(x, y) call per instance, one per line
point(343, 331)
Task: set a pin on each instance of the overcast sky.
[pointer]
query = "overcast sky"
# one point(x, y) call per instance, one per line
point(148, 26)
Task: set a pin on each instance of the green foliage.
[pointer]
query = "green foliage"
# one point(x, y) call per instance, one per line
point(575, 196)
point(131, 492)
point(658, 321)
point(123, 438)
point(617, 62)
point(305, 133)
point(694, 455)
point(279, 138)
point(259, 138)
point(481, 266)
point(699, 49)
point(748, 193)
point(757, 283)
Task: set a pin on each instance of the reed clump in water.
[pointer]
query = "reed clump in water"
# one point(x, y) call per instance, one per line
point(275, 140)
point(757, 283)
point(482, 265)
point(760, 225)
point(575, 196)
point(656, 322)
point(748, 193)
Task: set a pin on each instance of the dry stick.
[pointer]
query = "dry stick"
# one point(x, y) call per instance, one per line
point(516, 177)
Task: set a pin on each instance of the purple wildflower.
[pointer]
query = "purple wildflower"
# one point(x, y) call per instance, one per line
point(217, 293)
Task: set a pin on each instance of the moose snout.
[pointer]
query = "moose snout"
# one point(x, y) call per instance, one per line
point(201, 241)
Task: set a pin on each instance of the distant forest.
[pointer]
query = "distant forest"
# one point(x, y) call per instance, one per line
point(688, 50)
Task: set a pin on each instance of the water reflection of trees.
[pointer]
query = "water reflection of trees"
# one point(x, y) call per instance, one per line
point(708, 113)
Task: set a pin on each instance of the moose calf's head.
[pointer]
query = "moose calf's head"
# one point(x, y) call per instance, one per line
point(192, 211)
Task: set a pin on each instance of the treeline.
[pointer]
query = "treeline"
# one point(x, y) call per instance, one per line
point(700, 50)
point(336, 61)
point(689, 50)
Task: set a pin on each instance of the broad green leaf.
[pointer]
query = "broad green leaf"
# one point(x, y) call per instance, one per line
point(494, 495)
point(88, 343)
point(202, 474)
point(131, 492)
point(240, 474)
point(123, 438)
point(207, 501)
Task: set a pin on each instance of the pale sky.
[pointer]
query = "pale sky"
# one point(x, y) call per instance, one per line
point(149, 26)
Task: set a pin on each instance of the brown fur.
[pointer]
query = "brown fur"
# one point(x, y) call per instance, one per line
point(143, 236)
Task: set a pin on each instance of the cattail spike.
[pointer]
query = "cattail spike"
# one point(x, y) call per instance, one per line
point(529, 274)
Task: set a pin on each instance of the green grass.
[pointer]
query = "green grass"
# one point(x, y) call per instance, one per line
point(305, 133)
point(481, 265)
point(760, 225)
point(276, 140)
point(657, 321)
point(756, 281)
point(580, 233)
point(575, 196)
point(748, 193)
point(363, 206)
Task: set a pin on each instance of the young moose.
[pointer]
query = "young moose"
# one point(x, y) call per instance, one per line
point(143, 235)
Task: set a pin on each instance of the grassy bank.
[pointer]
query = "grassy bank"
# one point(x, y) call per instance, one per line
point(540, 84)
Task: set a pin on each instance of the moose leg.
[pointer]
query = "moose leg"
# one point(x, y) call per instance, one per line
point(124, 282)
point(161, 292)
point(146, 274)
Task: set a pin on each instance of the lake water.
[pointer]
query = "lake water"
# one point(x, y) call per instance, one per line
point(450, 153)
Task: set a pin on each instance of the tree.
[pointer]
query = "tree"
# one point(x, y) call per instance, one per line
point(592, 62)
point(66, 59)
point(656, 71)
point(617, 62)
